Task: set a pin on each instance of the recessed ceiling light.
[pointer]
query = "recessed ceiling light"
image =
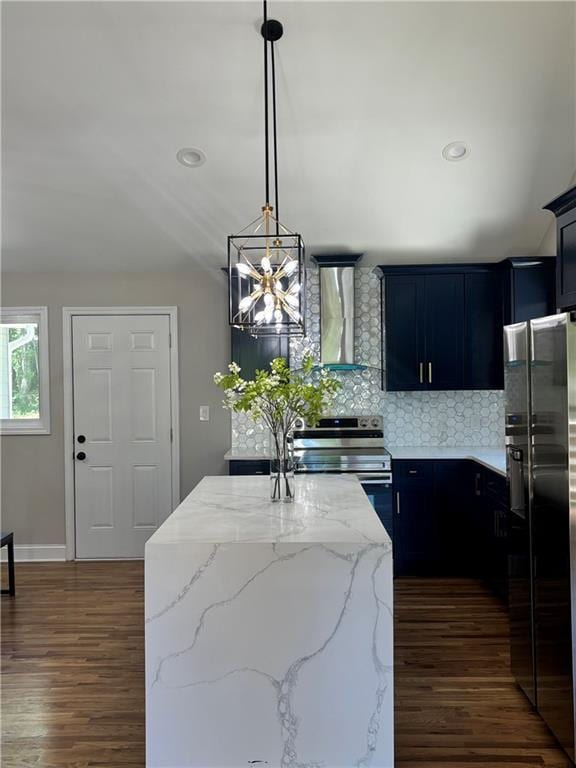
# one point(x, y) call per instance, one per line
point(455, 151)
point(191, 157)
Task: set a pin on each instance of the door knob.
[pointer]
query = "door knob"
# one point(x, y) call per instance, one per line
point(81, 438)
point(80, 455)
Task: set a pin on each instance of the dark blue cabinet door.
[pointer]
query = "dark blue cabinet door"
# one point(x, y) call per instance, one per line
point(483, 353)
point(253, 354)
point(416, 530)
point(566, 238)
point(444, 327)
point(453, 499)
point(404, 325)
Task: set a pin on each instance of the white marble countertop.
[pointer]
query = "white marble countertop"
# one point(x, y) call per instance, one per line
point(246, 454)
point(492, 458)
point(237, 509)
point(269, 628)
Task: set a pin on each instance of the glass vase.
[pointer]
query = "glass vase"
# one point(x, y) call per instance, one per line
point(282, 474)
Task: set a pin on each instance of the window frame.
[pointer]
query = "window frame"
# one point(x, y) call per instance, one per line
point(40, 426)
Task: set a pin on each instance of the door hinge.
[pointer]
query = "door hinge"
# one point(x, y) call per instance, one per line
point(171, 435)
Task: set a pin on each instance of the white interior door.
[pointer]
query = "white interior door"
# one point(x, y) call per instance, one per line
point(122, 432)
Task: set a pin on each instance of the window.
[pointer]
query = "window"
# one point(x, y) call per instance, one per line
point(24, 392)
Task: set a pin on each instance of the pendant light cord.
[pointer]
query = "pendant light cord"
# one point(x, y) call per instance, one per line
point(266, 140)
point(266, 123)
point(275, 138)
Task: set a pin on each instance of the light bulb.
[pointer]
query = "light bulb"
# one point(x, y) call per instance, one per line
point(293, 301)
point(294, 288)
point(243, 269)
point(269, 313)
point(268, 300)
point(279, 285)
point(291, 267)
point(259, 317)
point(266, 266)
point(245, 304)
point(278, 315)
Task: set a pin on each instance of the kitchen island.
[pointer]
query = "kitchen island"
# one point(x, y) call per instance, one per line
point(269, 636)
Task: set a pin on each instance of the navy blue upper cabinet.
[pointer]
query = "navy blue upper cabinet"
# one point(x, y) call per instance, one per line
point(483, 347)
point(443, 327)
point(254, 353)
point(404, 308)
point(528, 288)
point(564, 208)
point(444, 331)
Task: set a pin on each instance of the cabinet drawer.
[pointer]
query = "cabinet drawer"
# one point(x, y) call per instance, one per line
point(406, 471)
point(256, 467)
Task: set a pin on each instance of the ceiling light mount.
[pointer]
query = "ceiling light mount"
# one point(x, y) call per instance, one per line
point(272, 30)
point(191, 157)
point(455, 151)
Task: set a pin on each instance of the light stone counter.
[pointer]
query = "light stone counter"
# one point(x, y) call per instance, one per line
point(492, 458)
point(269, 633)
point(246, 454)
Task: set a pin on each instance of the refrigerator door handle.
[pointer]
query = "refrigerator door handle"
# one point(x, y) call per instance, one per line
point(516, 469)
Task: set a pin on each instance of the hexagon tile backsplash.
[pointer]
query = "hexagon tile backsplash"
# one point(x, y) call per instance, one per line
point(459, 418)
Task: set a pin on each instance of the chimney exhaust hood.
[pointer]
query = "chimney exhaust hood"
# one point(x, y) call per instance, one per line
point(337, 283)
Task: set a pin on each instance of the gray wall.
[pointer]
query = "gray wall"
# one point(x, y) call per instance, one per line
point(33, 466)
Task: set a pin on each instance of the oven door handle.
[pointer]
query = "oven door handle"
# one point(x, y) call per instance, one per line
point(371, 479)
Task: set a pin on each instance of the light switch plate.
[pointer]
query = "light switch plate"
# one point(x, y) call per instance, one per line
point(204, 413)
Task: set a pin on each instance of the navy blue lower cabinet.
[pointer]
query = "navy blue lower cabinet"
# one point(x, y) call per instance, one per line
point(454, 501)
point(490, 513)
point(249, 467)
point(416, 524)
point(451, 519)
point(381, 497)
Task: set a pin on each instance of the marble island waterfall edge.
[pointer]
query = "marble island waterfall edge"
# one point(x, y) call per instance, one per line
point(269, 631)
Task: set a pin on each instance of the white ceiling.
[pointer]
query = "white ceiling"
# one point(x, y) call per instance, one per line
point(99, 96)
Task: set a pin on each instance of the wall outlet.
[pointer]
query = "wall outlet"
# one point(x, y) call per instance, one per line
point(204, 413)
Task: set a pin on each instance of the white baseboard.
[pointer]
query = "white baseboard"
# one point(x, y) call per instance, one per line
point(36, 553)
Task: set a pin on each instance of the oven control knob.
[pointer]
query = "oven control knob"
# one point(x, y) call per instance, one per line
point(375, 423)
point(363, 423)
point(299, 424)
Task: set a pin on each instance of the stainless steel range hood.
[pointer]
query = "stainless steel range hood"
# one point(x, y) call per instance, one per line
point(337, 282)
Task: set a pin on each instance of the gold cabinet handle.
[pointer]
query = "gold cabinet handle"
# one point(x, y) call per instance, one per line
point(421, 373)
point(429, 373)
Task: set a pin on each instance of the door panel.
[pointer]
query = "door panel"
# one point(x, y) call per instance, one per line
point(405, 362)
point(123, 486)
point(99, 506)
point(143, 404)
point(145, 496)
point(444, 313)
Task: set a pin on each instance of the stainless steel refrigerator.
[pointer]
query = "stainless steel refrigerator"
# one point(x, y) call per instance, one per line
point(540, 382)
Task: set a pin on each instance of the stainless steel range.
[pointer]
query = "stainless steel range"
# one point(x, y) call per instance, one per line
point(349, 444)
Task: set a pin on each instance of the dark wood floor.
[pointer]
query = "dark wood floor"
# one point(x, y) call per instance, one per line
point(73, 688)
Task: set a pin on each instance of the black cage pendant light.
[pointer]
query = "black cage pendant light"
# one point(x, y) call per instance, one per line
point(266, 272)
